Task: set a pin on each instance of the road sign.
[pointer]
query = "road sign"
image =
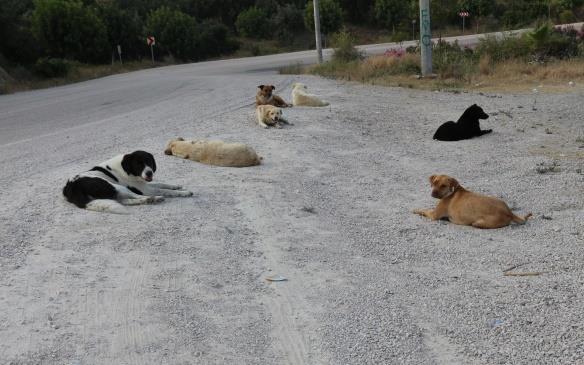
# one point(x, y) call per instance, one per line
point(463, 14)
point(150, 40)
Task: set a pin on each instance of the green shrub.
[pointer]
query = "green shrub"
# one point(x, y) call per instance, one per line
point(213, 39)
point(288, 21)
point(253, 23)
point(546, 42)
point(344, 47)
point(451, 61)
point(176, 33)
point(389, 13)
point(52, 67)
point(508, 47)
point(67, 29)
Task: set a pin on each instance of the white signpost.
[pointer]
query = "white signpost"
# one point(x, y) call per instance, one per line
point(151, 41)
point(463, 15)
point(120, 53)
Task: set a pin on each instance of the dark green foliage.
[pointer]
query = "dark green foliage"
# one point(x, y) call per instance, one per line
point(175, 33)
point(253, 23)
point(287, 22)
point(331, 16)
point(52, 67)
point(389, 13)
point(213, 39)
point(67, 29)
point(89, 30)
point(124, 28)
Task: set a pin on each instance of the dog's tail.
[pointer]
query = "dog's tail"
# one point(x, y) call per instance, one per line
point(107, 206)
point(520, 220)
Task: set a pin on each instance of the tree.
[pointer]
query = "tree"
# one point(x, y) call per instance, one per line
point(357, 10)
point(290, 22)
point(175, 32)
point(67, 29)
point(124, 28)
point(253, 23)
point(331, 16)
point(389, 13)
point(17, 43)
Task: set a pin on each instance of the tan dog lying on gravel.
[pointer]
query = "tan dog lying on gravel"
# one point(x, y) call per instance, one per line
point(464, 207)
point(265, 96)
point(216, 153)
point(301, 98)
point(268, 115)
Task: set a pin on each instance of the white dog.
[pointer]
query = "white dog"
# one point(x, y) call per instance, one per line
point(301, 98)
point(122, 180)
point(216, 153)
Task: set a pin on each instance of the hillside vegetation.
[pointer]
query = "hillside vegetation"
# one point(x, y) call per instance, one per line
point(49, 39)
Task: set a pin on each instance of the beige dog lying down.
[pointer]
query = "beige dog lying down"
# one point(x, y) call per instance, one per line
point(301, 98)
point(464, 207)
point(216, 153)
point(268, 115)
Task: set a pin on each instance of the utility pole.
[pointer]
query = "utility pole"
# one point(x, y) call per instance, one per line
point(317, 31)
point(425, 38)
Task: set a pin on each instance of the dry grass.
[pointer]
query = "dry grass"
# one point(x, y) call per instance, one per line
point(508, 76)
point(519, 76)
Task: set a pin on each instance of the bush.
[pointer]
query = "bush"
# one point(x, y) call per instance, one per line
point(213, 39)
point(451, 61)
point(345, 51)
point(389, 13)
point(331, 16)
point(546, 42)
point(67, 29)
point(253, 23)
point(288, 22)
point(52, 67)
point(176, 33)
point(503, 49)
point(124, 28)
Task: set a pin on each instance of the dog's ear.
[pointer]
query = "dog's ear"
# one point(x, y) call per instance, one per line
point(433, 179)
point(454, 185)
point(273, 87)
point(261, 87)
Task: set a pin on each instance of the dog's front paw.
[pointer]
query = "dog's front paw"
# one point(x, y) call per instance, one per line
point(155, 199)
point(418, 211)
point(176, 187)
point(186, 193)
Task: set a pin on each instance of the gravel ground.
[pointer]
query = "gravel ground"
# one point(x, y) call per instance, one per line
point(369, 282)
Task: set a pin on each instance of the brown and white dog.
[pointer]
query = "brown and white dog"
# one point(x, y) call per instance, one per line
point(464, 207)
point(270, 116)
point(216, 153)
point(266, 96)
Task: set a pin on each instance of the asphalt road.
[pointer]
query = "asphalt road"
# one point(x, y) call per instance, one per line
point(183, 281)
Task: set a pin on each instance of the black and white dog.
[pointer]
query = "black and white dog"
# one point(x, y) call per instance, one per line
point(122, 180)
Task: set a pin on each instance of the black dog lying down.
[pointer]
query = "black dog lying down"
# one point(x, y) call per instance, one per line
point(466, 127)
